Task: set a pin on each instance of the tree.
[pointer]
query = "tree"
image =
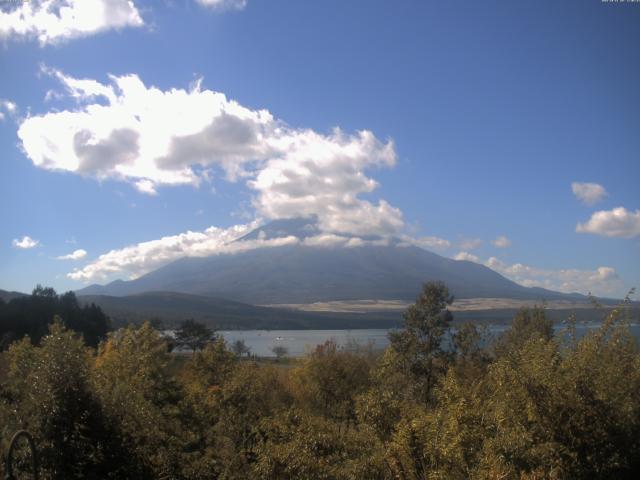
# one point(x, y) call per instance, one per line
point(31, 315)
point(328, 381)
point(51, 393)
point(193, 335)
point(280, 351)
point(240, 348)
point(141, 397)
point(299, 445)
point(419, 344)
point(528, 323)
point(471, 358)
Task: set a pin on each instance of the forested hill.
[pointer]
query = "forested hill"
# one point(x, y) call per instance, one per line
point(31, 315)
point(7, 296)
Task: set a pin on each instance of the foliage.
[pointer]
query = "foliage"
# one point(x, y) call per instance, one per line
point(419, 344)
point(131, 378)
point(529, 323)
point(240, 348)
point(328, 380)
point(49, 388)
point(31, 315)
point(193, 335)
point(305, 446)
point(280, 351)
point(529, 406)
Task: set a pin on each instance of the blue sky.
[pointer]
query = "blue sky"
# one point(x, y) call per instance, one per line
point(459, 123)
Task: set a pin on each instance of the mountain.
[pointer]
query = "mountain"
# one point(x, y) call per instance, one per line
point(171, 308)
point(7, 296)
point(304, 274)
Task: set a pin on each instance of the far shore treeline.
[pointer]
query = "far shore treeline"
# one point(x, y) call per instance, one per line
point(120, 405)
point(31, 315)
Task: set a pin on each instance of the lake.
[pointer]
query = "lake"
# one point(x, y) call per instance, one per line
point(298, 342)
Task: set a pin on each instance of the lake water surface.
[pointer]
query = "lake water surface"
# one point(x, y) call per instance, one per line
point(298, 342)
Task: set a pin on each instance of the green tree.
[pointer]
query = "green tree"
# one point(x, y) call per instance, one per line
point(298, 445)
point(419, 343)
point(280, 351)
point(471, 359)
point(328, 381)
point(31, 315)
point(240, 348)
point(203, 377)
point(527, 324)
point(139, 394)
point(193, 335)
point(51, 396)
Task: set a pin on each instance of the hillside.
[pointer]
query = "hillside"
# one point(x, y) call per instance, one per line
point(305, 274)
point(171, 308)
point(7, 296)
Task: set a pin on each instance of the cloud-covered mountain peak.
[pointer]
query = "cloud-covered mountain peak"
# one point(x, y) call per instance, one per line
point(287, 227)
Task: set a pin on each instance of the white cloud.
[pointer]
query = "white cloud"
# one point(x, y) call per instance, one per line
point(138, 259)
point(501, 242)
point(323, 175)
point(601, 281)
point(588, 193)
point(224, 4)
point(470, 243)
point(467, 256)
point(9, 107)
point(149, 138)
point(618, 222)
point(25, 242)
point(427, 243)
point(75, 255)
point(55, 21)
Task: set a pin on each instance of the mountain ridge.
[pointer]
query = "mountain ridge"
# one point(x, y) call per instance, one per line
point(303, 273)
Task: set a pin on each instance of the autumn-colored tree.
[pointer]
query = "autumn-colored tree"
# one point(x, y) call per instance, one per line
point(527, 324)
point(136, 390)
point(328, 381)
point(49, 390)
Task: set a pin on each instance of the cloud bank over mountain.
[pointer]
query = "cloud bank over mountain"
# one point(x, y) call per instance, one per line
point(150, 138)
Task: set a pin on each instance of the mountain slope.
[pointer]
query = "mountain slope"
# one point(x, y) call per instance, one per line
point(304, 274)
point(7, 296)
point(223, 314)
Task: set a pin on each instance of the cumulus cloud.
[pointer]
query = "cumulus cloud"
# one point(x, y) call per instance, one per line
point(25, 242)
point(224, 4)
point(470, 243)
point(501, 242)
point(467, 256)
point(55, 21)
point(427, 243)
point(148, 137)
point(322, 175)
point(588, 193)
point(7, 107)
point(601, 281)
point(75, 255)
point(138, 259)
point(141, 258)
point(618, 222)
